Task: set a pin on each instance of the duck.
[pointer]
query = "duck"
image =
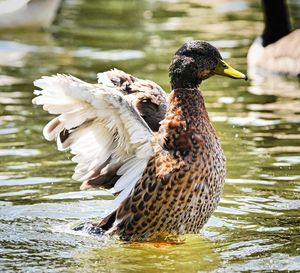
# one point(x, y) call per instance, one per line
point(276, 51)
point(28, 13)
point(159, 153)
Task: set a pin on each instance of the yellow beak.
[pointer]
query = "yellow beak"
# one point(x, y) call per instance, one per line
point(225, 69)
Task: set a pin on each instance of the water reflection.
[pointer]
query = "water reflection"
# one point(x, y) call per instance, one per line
point(152, 257)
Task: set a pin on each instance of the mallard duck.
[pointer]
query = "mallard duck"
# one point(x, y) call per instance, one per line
point(27, 13)
point(277, 50)
point(159, 153)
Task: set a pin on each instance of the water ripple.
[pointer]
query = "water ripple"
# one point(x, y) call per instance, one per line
point(108, 54)
point(28, 181)
point(18, 152)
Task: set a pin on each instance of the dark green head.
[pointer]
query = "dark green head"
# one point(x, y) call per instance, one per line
point(196, 61)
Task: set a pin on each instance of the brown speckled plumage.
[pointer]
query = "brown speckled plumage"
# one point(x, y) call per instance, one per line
point(182, 183)
point(160, 154)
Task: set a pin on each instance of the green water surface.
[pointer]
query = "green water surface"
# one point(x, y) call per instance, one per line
point(257, 224)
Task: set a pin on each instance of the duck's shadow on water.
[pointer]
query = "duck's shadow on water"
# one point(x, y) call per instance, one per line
point(190, 253)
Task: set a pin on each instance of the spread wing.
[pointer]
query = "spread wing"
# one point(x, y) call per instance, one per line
point(110, 141)
point(146, 96)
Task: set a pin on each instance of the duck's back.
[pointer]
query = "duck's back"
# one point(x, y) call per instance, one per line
point(146, 96)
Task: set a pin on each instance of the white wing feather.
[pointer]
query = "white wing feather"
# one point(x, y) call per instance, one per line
point(103, 124)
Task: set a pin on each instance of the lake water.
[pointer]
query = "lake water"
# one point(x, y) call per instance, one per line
point(257, 224)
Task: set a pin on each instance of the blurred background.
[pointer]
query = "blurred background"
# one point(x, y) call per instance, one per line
point(257, 225)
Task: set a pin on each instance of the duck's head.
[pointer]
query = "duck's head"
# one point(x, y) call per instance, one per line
point(196, 61)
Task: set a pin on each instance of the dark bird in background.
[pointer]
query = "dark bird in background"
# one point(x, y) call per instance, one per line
point(277, 50)
point(159, 153)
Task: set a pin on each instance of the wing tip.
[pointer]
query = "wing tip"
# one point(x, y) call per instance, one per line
point(52, 129)
point(85, 186)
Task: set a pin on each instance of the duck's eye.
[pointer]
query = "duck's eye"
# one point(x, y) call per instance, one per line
point(225, 66)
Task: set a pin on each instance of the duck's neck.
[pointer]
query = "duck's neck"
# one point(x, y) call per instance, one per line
point(276, 19)
point(185, 121)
